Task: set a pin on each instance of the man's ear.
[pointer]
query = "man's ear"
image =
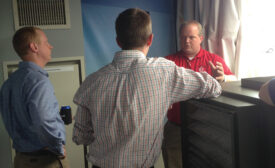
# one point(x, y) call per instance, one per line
point(33, 47)
point(118, 43)
point(150, 40)
point(201, 37)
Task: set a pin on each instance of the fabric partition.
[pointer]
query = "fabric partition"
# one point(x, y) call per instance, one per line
point(99, 29)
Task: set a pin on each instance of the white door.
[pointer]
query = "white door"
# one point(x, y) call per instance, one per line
point(66, 81)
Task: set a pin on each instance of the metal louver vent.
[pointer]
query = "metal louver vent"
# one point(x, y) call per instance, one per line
point(46, 14)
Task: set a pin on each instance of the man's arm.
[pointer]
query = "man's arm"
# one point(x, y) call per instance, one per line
point(83, 131)
point(44, 112)
point(187, 84)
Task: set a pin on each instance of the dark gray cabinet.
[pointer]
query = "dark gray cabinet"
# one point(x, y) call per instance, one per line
point(235, 130)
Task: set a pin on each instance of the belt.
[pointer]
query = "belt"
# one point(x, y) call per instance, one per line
point(37, 153)
point(174, 123)
point(99, 167)
point(43, 152)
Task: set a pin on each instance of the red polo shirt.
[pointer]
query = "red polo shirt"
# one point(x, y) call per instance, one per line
point(199, 64)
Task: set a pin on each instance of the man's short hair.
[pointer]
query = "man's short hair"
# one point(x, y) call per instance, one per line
point(133, 28)
point(22, 38)
point(193, 22)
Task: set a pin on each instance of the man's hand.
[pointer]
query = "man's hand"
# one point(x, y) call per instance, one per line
point(64, 151)
point(62, 156)
point(218, 72)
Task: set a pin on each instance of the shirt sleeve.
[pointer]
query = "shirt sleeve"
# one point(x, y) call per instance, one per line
point(187, 84)
point(83, 132)
point(267, 91)
point(44, 112)
point(271, 90)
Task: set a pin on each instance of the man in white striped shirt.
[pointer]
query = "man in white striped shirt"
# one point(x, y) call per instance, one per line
point(122, 107)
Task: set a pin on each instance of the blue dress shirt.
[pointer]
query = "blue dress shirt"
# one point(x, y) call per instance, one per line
point(271, 88)
point(30, 110)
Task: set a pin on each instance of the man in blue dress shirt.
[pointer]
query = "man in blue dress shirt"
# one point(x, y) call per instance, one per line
point(28, 105)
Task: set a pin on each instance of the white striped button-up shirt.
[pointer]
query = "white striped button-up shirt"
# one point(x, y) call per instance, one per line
point(122, 107)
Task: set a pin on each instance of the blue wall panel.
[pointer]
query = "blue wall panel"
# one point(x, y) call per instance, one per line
point(99, 28)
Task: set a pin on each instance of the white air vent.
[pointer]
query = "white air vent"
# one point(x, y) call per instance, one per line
point(45, 14)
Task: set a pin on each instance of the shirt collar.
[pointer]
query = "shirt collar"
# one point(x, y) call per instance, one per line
point(32, 65)
point(129, 54)
point(197, 56)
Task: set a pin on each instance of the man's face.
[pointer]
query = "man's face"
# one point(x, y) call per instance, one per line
point(190, 40)
point(44, 47)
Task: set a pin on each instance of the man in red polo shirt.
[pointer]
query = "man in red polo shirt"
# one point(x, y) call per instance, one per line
point(191, 56)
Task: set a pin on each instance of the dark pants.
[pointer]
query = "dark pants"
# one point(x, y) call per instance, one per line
point(43, 160)
point(171, 146)
point(99, 167)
